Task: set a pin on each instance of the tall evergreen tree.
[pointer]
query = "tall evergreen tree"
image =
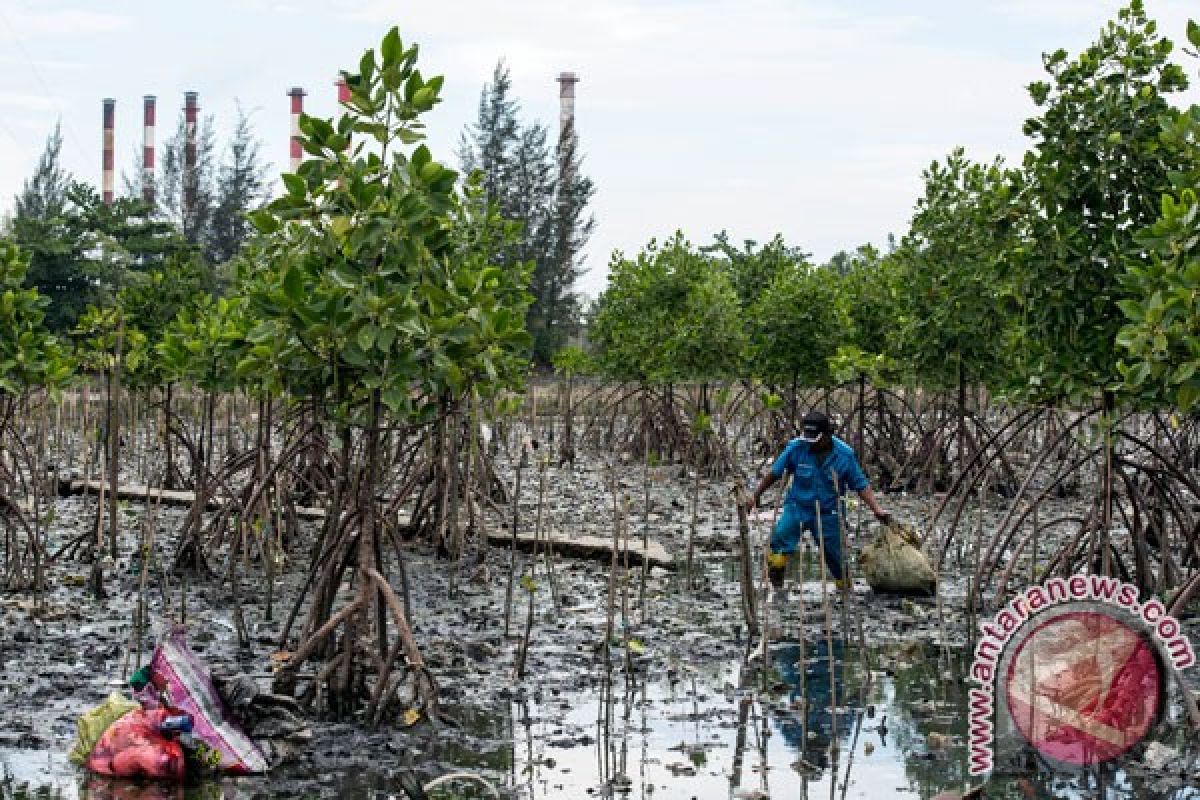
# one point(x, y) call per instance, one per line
point(82, 254)
point(546, 193)
point(45, 192)
point(488, 145)
point(194, 220)
point(555, 314)
point(240, 188)
point(225, 190)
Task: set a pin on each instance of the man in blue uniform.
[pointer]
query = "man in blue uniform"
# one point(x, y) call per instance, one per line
point(821, 465)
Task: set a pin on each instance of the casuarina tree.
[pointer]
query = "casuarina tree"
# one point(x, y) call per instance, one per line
point(545, 191)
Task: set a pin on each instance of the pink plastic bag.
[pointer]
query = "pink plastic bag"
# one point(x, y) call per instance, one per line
point(186, 684)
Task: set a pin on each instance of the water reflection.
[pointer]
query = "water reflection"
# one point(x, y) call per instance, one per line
point(822, 721)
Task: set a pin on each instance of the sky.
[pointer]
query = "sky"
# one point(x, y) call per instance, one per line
point(809, 118)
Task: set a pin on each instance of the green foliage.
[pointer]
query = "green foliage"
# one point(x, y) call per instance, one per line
point(953, 324)
point(29, 355)
point(796, 325)
point(375, 278)
point(204, 344)
point(83, 252)
point(150, 303)
point(239, 188)
point(97, 335)
point(1161, 338)
point(188, 198)
point(752, 270)
point(871, 289)
point(1095, 174)
point(572, 360)
point(44, 194)
point(850, 362)
point(668, 316)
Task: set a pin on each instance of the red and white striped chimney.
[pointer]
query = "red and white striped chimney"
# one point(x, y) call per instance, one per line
point(106, 179)
point(191, 111)
point(148, 148)
point(297, 153)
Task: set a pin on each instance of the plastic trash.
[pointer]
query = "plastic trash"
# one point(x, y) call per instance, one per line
point(185, 684)
point(135, 747)
point(180, 723)
point(92, 724)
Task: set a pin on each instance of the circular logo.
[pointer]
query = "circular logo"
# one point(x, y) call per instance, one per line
point(1083, 687)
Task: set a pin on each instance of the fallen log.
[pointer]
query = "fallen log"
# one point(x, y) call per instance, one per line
point(168, 497)
point(586, 547)
point(580, 546)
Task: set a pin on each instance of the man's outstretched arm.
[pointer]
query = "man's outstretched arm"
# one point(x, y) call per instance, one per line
point(768, 480)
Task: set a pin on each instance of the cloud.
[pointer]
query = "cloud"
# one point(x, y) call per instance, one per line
point(67, 22)
point(27, 102)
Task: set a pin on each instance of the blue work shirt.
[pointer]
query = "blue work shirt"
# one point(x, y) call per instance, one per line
point(812, 477)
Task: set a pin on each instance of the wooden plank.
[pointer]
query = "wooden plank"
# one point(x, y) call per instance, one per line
point(595, 548)
point(170, 497)
point(592, 548)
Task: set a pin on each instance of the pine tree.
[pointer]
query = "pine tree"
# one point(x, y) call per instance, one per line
point(45, 192)
point(194, 220)
point(546, 193)
point(556, 310)
point(488, 145)
point(43, 228)
point(240, 187)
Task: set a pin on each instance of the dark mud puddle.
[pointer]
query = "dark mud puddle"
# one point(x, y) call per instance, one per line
point(882, 724)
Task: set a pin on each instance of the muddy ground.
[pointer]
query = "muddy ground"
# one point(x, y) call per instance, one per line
point(572, 727)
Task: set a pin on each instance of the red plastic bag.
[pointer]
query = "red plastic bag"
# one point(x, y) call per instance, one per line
point(133, 747)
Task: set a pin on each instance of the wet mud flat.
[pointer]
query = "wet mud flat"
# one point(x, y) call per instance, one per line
point(672, 713)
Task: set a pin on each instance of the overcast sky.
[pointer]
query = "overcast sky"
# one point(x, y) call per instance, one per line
point(810, 118)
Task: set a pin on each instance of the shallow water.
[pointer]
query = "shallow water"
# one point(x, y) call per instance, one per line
point(716, 733)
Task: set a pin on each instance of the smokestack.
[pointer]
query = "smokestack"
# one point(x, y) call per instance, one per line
point(148, 149)
point(106, 179)
point(566, 101)
point(191, 110)
point(566, 120)
point(297, 153)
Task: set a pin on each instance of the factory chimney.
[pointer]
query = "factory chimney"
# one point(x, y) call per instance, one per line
point(297, 153)
point(566, 119)
point(191, 110)
point(148, 148)
point(106, 178)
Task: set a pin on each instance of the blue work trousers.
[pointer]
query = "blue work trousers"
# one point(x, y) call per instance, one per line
point(794, 521)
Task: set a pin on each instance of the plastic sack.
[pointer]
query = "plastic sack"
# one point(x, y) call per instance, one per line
point(185, 684)
point(92, 724)
point(133, 747)
point(894, 563)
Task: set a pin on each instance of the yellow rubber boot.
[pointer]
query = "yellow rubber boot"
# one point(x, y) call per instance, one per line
point(776, 568)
